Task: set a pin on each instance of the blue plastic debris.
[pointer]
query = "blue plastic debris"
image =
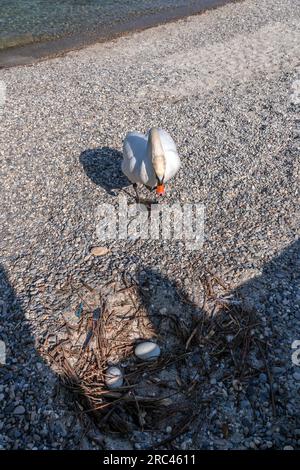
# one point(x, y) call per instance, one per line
point(79, 310)
point(96, 314)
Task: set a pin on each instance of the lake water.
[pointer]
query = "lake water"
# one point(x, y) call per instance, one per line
point(28, 22)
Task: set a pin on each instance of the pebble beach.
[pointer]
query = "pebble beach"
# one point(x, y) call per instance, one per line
point(225, 84)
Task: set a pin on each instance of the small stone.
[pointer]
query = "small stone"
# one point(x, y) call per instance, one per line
point(114, 377)
point(245, 404)
point(19, 410)
point(237, 438)
point(168, 429)
point(263, 378)
point(195, 358)
point(99, 251)
point(296, 375)
point(237, 385)
point(147, 351)
point(252, 445)
point(288, 448)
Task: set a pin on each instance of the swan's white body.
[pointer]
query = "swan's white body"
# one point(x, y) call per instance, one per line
point(137, 162)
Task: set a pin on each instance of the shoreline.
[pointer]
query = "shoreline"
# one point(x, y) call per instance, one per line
point(28, 54)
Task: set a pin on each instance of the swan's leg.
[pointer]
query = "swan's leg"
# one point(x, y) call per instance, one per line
point(137, 196)
point(146, 202)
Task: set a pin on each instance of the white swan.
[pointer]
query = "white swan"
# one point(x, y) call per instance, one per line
point(150, 159)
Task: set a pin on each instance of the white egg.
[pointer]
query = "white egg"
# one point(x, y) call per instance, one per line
point(114, 377)
point(147, 351)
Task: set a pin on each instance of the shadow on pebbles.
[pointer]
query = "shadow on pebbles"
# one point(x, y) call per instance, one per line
point(162, 402)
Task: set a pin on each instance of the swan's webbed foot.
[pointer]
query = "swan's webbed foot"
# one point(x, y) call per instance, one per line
point(139, 200)
point(150, 188)
point(145, 204)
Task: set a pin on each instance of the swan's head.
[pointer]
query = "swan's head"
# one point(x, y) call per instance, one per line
point(157, 155)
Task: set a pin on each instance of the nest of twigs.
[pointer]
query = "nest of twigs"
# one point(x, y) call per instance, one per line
point(107, 325)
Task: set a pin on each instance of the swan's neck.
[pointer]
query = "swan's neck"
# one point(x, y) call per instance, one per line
point(156, 153)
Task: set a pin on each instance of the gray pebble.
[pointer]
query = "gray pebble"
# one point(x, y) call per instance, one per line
point(19, 410)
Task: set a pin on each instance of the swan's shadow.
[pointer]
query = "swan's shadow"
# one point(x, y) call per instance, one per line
point(103, 166)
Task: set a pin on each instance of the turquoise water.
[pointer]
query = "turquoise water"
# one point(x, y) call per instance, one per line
point(27, 21)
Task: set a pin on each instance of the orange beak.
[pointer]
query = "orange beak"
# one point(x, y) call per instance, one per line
point(160, 189)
